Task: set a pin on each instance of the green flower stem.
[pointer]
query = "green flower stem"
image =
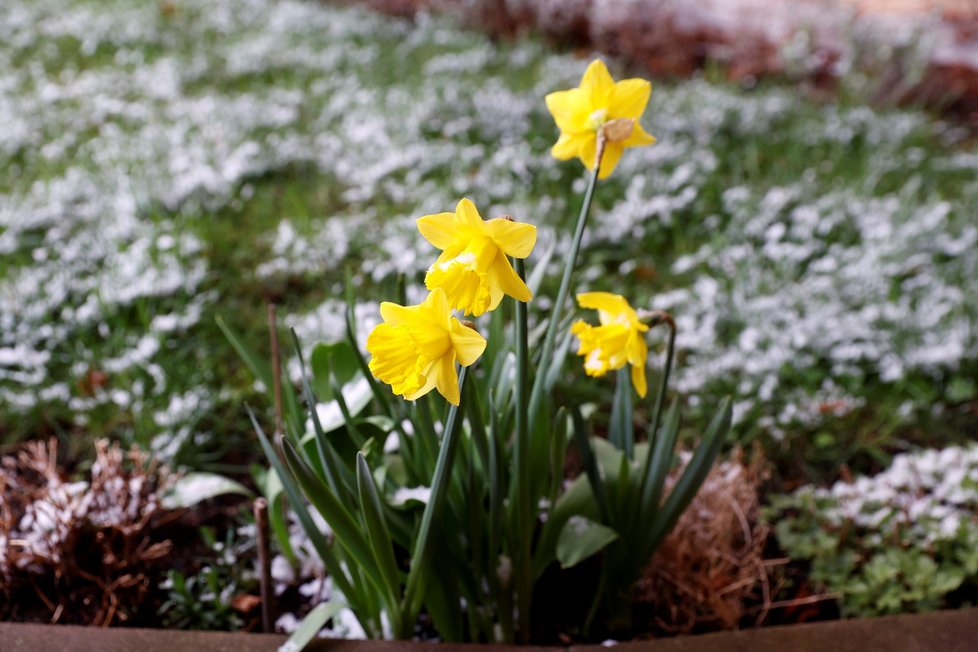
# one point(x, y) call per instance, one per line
point(421, 557)
point(660, 399)
point(524, 496)
point(536, 397)
point(527, 414)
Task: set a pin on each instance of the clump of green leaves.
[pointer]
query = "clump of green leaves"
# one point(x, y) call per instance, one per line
point(495, 514)
point(902, 541)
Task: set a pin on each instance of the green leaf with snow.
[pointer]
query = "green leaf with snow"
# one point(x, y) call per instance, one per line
point(581, 538)
point(357, 395)
point(193, 488)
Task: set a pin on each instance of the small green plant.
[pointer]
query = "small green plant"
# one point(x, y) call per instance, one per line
point(460, 508)
point(898, 542)
point(204, 600)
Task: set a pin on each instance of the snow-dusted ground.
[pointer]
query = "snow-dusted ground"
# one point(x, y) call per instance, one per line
point(129, 125)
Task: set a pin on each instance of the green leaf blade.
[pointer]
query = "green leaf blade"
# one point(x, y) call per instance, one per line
point(580, 539)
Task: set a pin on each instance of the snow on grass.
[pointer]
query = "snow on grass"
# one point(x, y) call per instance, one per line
point(132, 127)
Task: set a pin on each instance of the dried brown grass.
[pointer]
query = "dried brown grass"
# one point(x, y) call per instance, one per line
point(83, 549)
point(711, 572)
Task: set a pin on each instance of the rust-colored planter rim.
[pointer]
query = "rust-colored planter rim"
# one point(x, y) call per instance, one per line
point(942, 631)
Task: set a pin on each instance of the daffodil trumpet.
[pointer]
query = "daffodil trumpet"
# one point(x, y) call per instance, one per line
point(416, 347)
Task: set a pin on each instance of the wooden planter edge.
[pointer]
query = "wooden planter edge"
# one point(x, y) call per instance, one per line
point(942, 631)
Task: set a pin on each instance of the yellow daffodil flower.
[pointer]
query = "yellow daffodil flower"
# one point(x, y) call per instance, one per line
point(473, 269)
point(415, 349)
point(618, 340)
point(599, 104)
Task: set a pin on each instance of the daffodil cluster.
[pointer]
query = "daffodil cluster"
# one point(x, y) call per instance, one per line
point(416, 348)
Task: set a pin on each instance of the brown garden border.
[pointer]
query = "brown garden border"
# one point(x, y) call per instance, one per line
point(942, 631)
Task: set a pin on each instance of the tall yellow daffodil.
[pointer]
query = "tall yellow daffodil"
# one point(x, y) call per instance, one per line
point(618, 340)
point(415, 349)
point(599, 104)
point(473, 269)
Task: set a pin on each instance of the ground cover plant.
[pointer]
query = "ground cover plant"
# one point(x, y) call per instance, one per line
point(902, 540)
point(169, 162)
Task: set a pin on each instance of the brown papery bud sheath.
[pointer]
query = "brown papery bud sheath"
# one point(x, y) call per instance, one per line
point(618, 129)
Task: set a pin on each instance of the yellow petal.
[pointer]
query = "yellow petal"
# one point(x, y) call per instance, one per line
point(505, 277)
point(429, 384)
point(496, 295)
point(445, 379)
point(587, 151)
point(579, 327)
point(465, 288)
point(467, 216)
point(598, 84)
point(397, 315)
point(638, 380)
point(585, 334)
point(612, 153)
point(614, 339)
point(438, 229)
point(629, 98)
point(435, 307)
point(638, 350)
point(638, 138)
point(607, 301)
point(567, 146)
point(516, 239)
point(595, 365)
point(468, 343)
point(570, 110)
